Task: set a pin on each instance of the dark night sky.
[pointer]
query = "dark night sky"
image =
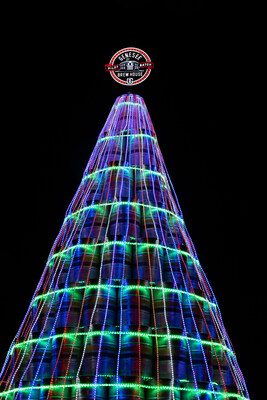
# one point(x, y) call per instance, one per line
point(57, 97)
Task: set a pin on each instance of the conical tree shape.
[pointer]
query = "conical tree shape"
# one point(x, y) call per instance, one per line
point(123, 309)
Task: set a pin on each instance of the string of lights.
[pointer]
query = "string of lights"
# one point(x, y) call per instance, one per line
point(123, 309)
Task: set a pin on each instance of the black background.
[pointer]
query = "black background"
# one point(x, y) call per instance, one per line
point(56, 97)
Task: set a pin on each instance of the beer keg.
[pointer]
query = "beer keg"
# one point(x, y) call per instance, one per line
point(94, 187)
point(136, 353)
point(136, 304)
point(172, 357)
point(125, 220)
point(20, 361)
point(167, 306)
point(66, 355)
point(222, 373)
point(85, 264)
point(100, 356)
point(68, 308)
point(41, 357)
point(154, 224)
point(141, 151)
point(96, 222)
point(116, 260)
point(43, 314)
point(172, 268)
point(199, 370)
point(105, 310)
point(149, 187)
point(147, 261)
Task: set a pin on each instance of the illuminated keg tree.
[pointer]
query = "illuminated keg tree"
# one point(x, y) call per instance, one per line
point(123, 309)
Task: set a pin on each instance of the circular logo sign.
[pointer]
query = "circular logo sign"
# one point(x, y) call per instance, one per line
point(130, 66)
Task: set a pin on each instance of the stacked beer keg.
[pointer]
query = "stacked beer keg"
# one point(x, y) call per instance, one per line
point(123, 309)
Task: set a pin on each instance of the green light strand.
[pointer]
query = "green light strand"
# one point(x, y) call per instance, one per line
point(123, 385)
point(130, 333)
point(131, 203)
point(118, 242)
point(116, 167)
point(128, 135)
point(128, 287)
point(128, 103)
